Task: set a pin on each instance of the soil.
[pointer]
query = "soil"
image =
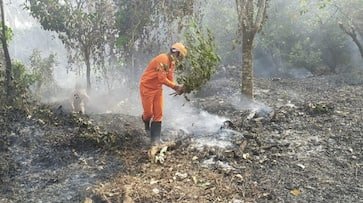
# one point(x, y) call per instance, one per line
point(299, 141)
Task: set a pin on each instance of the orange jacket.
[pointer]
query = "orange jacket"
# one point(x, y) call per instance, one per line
point(160, 71)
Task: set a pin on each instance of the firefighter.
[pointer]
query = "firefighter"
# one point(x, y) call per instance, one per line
point(159, 72)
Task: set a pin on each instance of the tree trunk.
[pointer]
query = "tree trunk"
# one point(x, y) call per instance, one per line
point(247, 66)
point(353, 34)
point(359, 45)
point(357, 42)
point(88, 69)
point(8, 79)
point(251, 16)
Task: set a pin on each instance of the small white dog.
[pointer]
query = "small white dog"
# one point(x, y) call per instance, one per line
point(79, 99)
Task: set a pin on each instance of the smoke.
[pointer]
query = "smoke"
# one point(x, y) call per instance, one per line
point(123, 100)
point(180, 114)
point(29, 35)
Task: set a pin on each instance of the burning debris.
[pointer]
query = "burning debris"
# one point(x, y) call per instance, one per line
point(225, 137)
point(260, 113)
point(228, 125)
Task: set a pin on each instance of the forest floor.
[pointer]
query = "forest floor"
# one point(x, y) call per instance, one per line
point(302, 142)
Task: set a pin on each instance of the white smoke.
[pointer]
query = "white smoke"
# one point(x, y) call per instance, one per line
point(180, 114)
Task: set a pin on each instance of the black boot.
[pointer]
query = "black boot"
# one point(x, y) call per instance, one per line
point(155, 132)
point(146, 123)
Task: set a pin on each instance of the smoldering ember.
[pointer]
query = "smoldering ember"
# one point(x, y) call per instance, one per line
point(181, 101)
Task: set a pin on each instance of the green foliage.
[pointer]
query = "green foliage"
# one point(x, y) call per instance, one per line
point(22, 80)
point(335, 47)
point(131, 18)
point(307, 5)
point(144, 26)
point(92, 134)
point(51, 14)
point(312, 41)
point(304, 54)
point(223, 27)
point(8, 33)
point(42, 69)
point(202, 60)
point(86, 28)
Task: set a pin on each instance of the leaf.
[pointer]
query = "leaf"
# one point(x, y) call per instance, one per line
point(296, 192)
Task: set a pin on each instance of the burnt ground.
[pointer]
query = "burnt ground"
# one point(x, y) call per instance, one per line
point(302, 142)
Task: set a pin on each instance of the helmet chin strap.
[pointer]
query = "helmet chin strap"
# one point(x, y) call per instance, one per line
point(173, 56)
point(177, 54)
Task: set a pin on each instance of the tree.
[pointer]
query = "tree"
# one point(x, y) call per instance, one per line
point(43, 71)
point(146, 26)
point(222, 22)
point(251, 16)
point(291, 43)
point(304, 39)
point(3, 38)
point(351, 31)
point(349, 17)
point(132, 18)
point(86, 27)
point(351, 21)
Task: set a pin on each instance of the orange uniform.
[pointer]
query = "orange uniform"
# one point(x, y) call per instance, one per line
point(160, 71)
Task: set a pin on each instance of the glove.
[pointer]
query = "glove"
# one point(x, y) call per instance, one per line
point(179, 89)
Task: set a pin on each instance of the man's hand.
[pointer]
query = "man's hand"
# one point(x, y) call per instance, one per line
point(179, 89)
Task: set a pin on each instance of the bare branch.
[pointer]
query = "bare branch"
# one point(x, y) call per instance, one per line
point(352, 33)
point(261, 15)
point(249, 11)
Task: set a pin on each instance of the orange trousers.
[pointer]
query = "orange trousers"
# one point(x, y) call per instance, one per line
point(152, 103)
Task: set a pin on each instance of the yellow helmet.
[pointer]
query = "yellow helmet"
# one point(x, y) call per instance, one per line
point(180, 48)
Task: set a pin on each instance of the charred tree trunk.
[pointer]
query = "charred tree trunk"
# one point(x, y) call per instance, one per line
point(8, 79)
point(353, 34)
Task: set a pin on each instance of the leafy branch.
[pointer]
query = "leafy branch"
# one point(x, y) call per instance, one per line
point(202, 60)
